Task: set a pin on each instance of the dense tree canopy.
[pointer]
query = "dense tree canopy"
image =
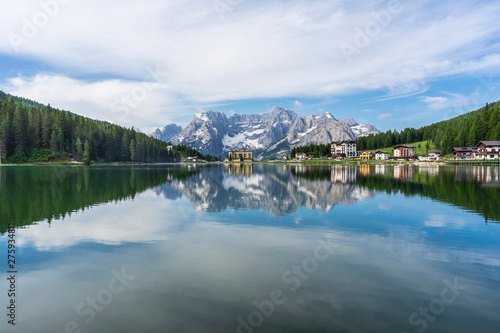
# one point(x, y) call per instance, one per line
point(465, 130)
point(30, 131)
point(317, 150)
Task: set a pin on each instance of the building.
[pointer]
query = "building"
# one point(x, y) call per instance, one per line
point(464, 153)
point(367, 155)
point(381, 155)
point(435, 154)
point(301, 156)
point(487, 150)
point(286, 157)
point(240, 155)
point(404, 151)
point(344, 148)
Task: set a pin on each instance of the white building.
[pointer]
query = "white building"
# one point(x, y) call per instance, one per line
point(301, 156)
point(345, 149)
point(405, 151)
point(487, 150)
point(381, 155)
point(435, 155)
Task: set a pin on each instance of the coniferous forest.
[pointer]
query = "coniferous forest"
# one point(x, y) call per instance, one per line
point(32, 132)
point(462, 131)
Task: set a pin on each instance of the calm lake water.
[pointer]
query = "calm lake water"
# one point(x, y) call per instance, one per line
point(252, 248)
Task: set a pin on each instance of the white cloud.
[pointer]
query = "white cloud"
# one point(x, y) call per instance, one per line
point(367, 110)
point(444, 221)
point(297, 104)
point(384, 115)
point(460, 103)
point(260, 50)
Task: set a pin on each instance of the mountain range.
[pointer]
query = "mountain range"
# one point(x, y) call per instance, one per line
point(268, 135)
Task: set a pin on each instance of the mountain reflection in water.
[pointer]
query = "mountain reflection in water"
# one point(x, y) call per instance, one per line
point(30, 194)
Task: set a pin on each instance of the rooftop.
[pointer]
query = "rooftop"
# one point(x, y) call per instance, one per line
point(489, 143)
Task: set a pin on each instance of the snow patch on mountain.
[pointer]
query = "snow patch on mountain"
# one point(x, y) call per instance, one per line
point(269, 135)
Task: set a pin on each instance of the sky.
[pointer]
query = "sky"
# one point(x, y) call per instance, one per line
point(393, 64)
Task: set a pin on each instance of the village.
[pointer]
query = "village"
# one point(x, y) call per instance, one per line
point(484, 150)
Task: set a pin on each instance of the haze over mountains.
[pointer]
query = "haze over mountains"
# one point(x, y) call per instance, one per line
point(269, 135)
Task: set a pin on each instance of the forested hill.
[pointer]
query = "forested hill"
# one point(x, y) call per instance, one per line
point(31, 132)
point(461, 131)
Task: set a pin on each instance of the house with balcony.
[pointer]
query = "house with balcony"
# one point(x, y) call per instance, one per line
point(487, 150)
point(345, 149)
point(301, 156)
point(367, 155)
point(464, 153)
point(381, 155)
point(435, 155)
point(404, 151)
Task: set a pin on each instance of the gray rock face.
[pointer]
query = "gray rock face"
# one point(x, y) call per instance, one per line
point(205, 133)
point(269, 135)
point(166, 133)
point(360, 129)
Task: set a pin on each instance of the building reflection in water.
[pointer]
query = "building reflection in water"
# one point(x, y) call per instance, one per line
point(344, 174)
point(381, 169)
point(486, 175)
point(239, 168)
point(404, 172)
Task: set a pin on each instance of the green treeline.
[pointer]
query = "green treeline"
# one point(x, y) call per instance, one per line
point(462, 131)
point(30, 194)
point(316, 150)
point(31, 132)
point(448, 186)
point(469, 195)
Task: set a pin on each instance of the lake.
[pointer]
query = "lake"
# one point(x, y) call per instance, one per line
point(251, 248)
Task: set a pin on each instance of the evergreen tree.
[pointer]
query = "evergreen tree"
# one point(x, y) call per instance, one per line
point(447, 143)
point(388, 139)
point(86, 153)
point(79, 149)
point(54, 142)
point(132, 150)
point(20, 123)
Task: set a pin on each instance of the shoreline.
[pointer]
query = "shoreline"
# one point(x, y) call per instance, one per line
point(306, 162)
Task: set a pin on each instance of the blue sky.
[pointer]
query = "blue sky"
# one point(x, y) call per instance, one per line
point(394, 64)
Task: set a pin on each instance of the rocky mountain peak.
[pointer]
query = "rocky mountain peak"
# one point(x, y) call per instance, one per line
point(269, 135)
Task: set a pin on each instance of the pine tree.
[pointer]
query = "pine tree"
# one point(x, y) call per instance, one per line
point(20, 123)
point(46, 127)
point(54, 142)
point(388, 139)
point(86, 153)
point(447, 144)
point(132, 150)
point(79, 149)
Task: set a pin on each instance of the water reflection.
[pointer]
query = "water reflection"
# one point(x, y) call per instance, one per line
point(200, 260)
point(280, 190)
point(30, 194)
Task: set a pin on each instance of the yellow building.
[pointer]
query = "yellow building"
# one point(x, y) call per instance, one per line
point(367, 155)
point(240, 155)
